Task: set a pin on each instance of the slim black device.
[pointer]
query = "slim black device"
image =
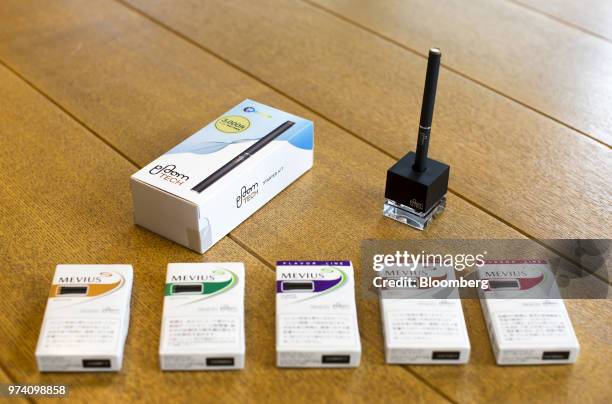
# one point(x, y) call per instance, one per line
point(236, 161)
point(416, 187)
point(427, 109)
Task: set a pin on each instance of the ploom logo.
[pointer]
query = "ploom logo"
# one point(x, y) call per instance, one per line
point(416, 204)
point(253, 110)
point(169, 173)
point(247, 194)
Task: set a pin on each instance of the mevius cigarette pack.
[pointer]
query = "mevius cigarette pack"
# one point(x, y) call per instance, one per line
point(203, 318)
point(203, 188)
point(423, 324)
point(525, 315)
point(316, 316)
point(86, 320)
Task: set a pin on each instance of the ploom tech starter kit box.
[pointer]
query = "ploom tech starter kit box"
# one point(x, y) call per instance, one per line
point(203, 318)
point(525, 314)
point(316, 316)
point(423, 324)
point(207, 185)
point(86, 320)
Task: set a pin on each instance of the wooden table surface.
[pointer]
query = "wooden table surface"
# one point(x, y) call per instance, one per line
point(91, 90)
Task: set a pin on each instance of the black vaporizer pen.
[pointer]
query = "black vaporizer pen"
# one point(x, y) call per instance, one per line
point(427, 108)
point(415, 192)
point(236, 161)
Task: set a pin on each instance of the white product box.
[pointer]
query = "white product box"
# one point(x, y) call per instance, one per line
point(207, 185)
point(86, 320)
point(423, 324)
point(525, 315)
point(316, 316)
point(203, 319)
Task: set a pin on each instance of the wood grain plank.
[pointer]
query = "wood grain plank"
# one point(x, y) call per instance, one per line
point(150, 107)
point(336, 207)
point(509, 160)
point(490, 165)
point(5, 379)
point(483, 381)
point(66, 200)
point(591, 16)
point(539, 62)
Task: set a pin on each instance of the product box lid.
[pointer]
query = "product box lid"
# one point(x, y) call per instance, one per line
point(227, 144)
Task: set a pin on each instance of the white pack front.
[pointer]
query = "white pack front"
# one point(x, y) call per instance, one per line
point(86, 320)
point(203, 318)
point(316, 316)
point(423, 324)
point(207, 185)
point(525, 314)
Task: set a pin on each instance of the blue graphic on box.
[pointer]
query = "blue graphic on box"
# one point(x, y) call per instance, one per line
point(262, 120)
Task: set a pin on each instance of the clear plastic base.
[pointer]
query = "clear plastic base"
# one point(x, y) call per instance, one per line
point(407, 215)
